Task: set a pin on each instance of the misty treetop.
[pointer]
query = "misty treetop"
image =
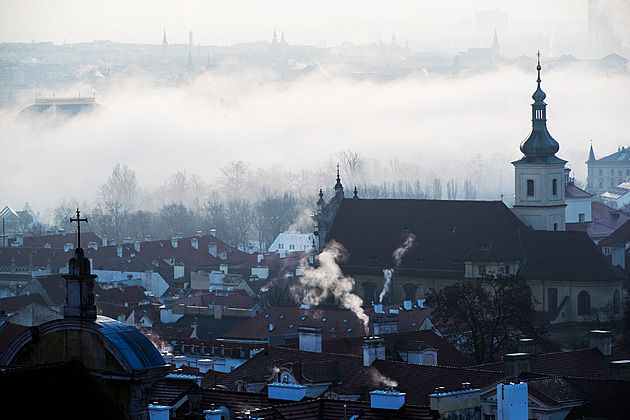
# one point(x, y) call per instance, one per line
point(245, 203)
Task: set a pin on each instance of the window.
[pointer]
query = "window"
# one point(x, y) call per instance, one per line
point(581, 217)
point(606, 250)
point(601, 172)
point(584, 303)
point(616, 303)
point(554, 187)
point(530, 187)
point(612, 172)
point(552, 303)
point(508, 269)
point(482, 270)
point(601, 184)
point(555, 226)
point(619, 172)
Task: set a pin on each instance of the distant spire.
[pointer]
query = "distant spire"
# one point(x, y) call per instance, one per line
point(495, 42)
point(338, 186)
point(282, 41)
point(321, 201)
point(190, 45)
point(591, 154)
point(356, 193)
point(275, 37)
point(164, 41)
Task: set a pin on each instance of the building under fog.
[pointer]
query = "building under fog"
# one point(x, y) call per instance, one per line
point(456, 240)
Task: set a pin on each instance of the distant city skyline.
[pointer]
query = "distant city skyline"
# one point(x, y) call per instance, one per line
point(324, 22)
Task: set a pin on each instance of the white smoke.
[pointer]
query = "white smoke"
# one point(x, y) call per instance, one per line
point(318, 283)
point(398, 254)
point(381, 380)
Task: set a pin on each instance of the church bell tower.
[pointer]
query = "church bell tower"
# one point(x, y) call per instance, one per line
point(539, 174)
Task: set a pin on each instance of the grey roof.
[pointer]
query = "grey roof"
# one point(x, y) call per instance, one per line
point(135, 347)
point(622, 155)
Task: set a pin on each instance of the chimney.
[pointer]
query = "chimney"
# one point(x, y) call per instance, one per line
point(212, 249)
point(194, 242)
point(136, 246)
point(515, 363)
point(174, 242)
point(378, 308)
point(178, 270)
point(620, 370)
point(457, 404)
point(67, 246)
point(407, 305)
point(212, 414)
point(104, 240)
point(288, 392)
point(128, 240)
point(159, 412)
point(62, 231)
point(179, 235)
point(385, 324)
point(218, 311)
point(526, 345)
point(19, 239)
point(199, 233)
point(387, 399)
point(119, 251)
point(601, 340)
point(373, 348)
point(147, 238)
point(260, 257)
point(224, 268)
point(93, 245)
point(213, 232)
point(512, 401)
point(310, 339)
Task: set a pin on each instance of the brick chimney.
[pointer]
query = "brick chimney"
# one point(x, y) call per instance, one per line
point(194, 242)
point(119, 251)
point(515, 363)
point(601, 340)
point(373, 348)
point(136, 246)
point(212, 249)
point(174, 242)
point(310, 339)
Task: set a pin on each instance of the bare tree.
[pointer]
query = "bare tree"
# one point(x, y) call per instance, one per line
point(470, 192)
point(117, 199)
point(274, 214)
point(485, 316)
point(437, 189)
point(240, 216)
point(351, 165)
point(235, 179)
point(451, 189)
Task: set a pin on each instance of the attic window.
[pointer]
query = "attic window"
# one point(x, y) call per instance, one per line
point(485, 247)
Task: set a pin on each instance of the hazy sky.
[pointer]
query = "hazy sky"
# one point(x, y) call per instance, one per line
point(229, 22)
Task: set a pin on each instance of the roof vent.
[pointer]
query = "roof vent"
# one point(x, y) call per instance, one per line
point(289, 392)
point(388, 399)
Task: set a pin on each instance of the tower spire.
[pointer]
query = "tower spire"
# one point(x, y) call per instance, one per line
point(539, 146)
point(338, 186)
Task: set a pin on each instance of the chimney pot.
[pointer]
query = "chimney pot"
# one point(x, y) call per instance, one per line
point(310, 339)
point(373, 348)
point(602, 340)
point(174, 242)
point(515, 363)
point(620, 370)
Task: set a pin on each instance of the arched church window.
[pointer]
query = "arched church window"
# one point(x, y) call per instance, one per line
point(554, 187)
point(584, 303)
point(616, 303)
point(530, 187)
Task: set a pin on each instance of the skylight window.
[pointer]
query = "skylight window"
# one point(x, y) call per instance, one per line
point(324, 319)
point(291, 326)
point(413, 324)
point(303, 318)
point(267, 316)
point(349, 329)
point(345, 320)
point(281, 316)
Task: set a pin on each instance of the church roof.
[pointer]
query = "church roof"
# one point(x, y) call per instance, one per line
point(622, 155)
point(448, 233)
point(371, 230)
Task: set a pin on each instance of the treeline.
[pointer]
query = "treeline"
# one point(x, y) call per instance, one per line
point(244, 203)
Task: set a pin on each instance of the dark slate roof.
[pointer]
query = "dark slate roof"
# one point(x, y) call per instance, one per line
point(447, 355)
point(564, 255)
point(61, 390)
point(138, 351)
point(234, 299)
point(15, 303)
point(445, 231)
point(321, 367)
point(554, 391)
point(55, 287)
point(583, 363)
point(607, 399)
point(208, 327)
point(619, 237)
point(418, 381)
point(328, 409)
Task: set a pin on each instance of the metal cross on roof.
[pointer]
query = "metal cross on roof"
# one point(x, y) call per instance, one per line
point(79, 220)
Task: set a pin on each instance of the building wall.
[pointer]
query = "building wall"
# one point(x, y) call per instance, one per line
point(542, 210)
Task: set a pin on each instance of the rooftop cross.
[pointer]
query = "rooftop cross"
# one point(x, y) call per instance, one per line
point(79, 220)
